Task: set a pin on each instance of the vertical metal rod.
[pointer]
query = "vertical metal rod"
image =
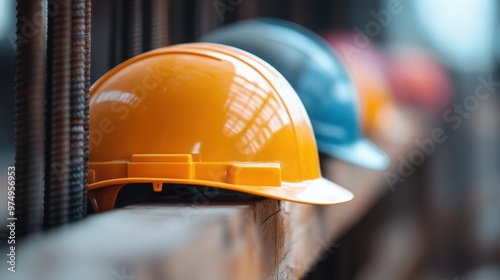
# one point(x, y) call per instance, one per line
point(135, 30)
point(59, 116)
point(77, 120)
point(126, 30)
point(159, 34)
point(30, 94)
point(206, 18)
point(116, 50)
point(88, 22)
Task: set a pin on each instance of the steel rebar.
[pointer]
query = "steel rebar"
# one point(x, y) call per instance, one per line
point(30, 95)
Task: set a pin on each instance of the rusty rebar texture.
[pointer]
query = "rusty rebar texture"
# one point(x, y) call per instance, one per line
point(59, 116)
point(88, 22)
point(159, 34)
point(30, 95)
point(134, 42)
point(78, 134)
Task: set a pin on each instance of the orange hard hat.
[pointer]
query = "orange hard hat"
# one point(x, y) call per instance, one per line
point(368, 67)
point(205, 115)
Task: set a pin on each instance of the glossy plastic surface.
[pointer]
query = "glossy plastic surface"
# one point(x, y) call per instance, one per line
point(309, 64)
point(369, 68)
point(203, 114)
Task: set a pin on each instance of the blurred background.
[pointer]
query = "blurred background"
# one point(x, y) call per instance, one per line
point(436, 60)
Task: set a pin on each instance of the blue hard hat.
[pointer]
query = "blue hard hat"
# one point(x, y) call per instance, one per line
point(320, 79)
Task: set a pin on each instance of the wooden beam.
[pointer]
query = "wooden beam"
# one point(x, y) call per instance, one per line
point(253, 239)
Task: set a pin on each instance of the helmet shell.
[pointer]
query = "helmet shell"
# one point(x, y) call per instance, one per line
point(369, 68)
point(319, 78)
point(203, 114)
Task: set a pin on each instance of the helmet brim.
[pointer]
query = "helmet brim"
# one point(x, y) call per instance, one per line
point(318, 191)
point(361, 152)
